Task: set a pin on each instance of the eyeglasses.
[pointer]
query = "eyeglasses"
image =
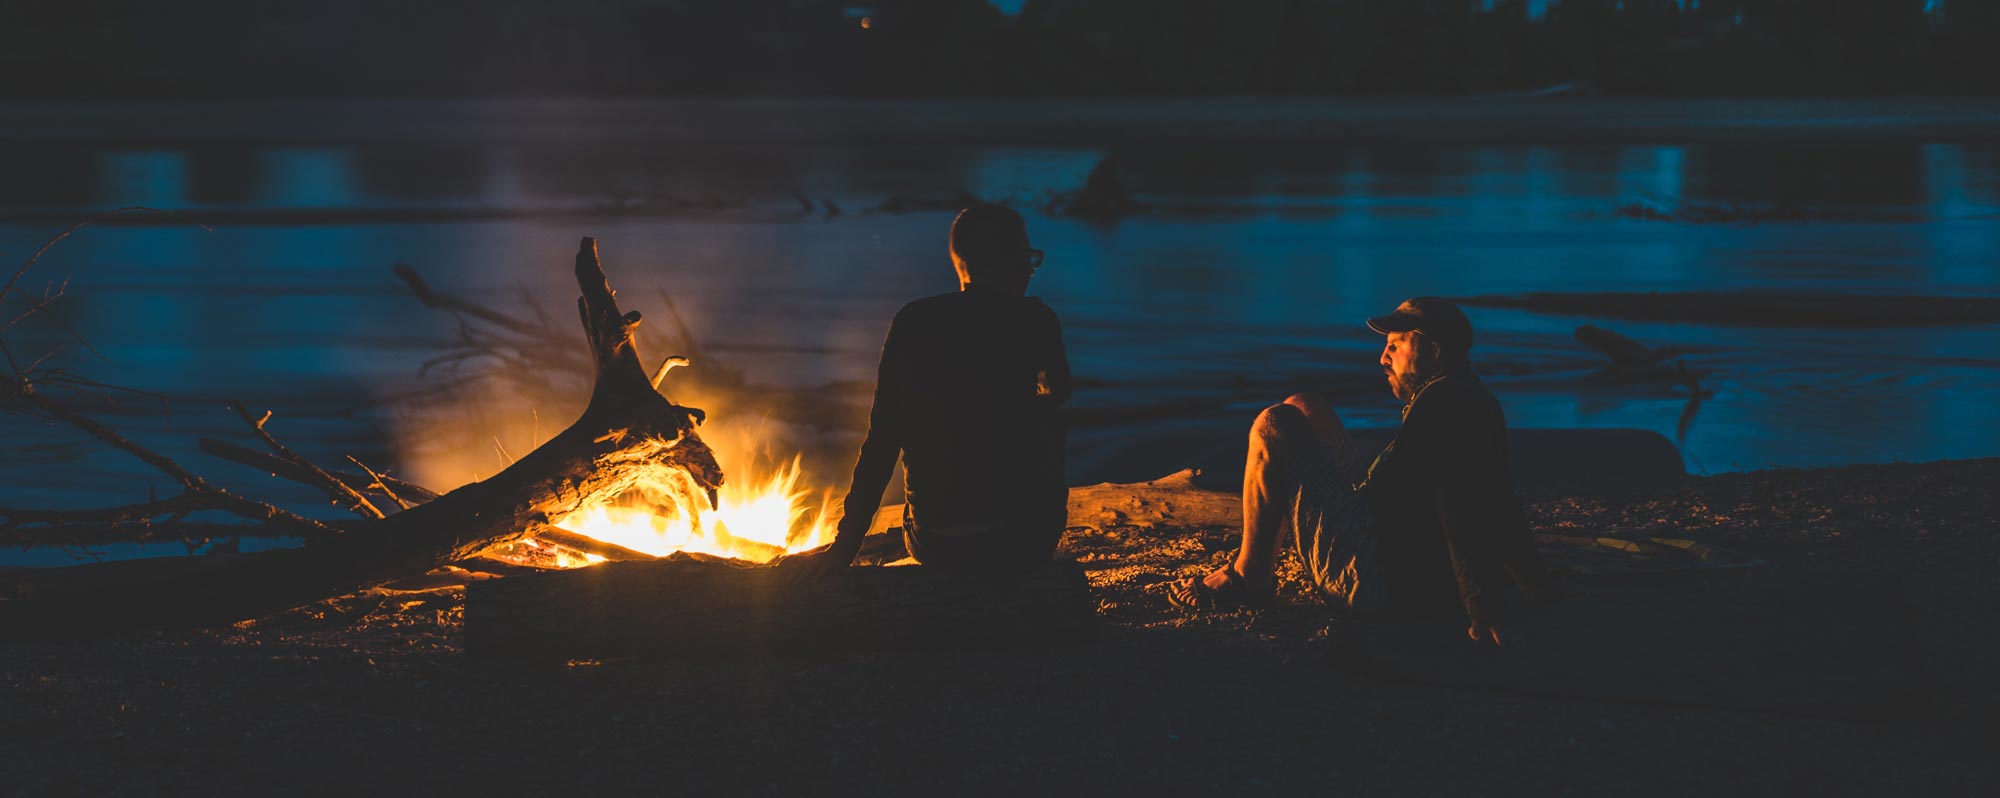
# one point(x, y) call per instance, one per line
point(1035, 258)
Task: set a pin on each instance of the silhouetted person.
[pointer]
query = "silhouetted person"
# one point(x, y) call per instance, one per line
point(968, 394)
point(1432, 527)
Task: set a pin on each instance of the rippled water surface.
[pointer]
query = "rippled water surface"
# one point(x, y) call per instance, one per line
point(1246, 278)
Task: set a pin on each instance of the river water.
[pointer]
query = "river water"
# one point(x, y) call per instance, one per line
point(1272, 230)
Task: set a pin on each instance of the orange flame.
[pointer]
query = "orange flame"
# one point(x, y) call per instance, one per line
point(759, 523)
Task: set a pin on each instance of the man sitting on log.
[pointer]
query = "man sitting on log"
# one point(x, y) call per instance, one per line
point(967, 394)
point(1432, 527)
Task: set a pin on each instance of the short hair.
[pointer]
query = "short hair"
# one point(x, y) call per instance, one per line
point(988, 235)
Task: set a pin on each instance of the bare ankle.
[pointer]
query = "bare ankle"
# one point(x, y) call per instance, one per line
point(1250, 572)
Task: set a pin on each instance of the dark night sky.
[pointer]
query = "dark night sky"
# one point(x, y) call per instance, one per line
point(1008, 48)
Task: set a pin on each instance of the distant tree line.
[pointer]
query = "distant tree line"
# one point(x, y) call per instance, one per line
point(921, 48)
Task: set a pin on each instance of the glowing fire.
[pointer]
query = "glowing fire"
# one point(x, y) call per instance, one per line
point(667, 512)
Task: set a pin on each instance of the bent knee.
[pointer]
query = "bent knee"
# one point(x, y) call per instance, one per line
point(1317, 412)
point(1311, 404)
point(1282, 420)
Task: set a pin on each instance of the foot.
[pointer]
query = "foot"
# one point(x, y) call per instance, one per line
point(1224, 589)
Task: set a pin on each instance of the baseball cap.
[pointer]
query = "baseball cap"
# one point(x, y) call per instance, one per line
point(1432, 316)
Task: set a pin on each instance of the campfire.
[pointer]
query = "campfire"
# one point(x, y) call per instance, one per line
point(764, 509)
point(629, 448)
point(665, 512)
point(632, 478)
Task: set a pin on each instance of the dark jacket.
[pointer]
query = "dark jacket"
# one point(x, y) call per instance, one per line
point(1450, 527)
point(967, 394)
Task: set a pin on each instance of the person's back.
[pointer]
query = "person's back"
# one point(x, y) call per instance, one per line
point(980, 433)
point(967, 395)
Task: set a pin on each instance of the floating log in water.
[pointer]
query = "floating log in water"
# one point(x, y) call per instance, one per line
point(627, 431)
point(683, 606)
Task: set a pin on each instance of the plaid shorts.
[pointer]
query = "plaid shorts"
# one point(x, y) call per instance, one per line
point(1333, 529)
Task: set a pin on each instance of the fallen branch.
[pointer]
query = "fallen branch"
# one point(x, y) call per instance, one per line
point(80, 533)
point(432, 299)
point(339, 491)
point(379, 484)
point(243, 455)
point(207, 496)
point(627, 431)
point(589, 545)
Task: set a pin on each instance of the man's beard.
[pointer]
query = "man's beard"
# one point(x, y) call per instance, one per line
point(1406, 385)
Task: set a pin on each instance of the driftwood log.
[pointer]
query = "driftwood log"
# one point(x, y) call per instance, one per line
point(628, 429)
point(683, 606)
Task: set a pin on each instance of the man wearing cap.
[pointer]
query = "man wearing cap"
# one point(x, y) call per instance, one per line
point(1431, 527)
point(968, 395)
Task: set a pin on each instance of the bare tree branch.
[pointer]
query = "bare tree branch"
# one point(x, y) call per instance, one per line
point(285, 469)
point(46, 246)
point(423, 292)
point(380, 484)
point(336, 489)
point(212, 497)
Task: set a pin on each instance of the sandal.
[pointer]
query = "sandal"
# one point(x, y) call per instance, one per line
point(1194, 595)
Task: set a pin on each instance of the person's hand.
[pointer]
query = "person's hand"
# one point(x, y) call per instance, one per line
point(811, 566)
point(1490, 633)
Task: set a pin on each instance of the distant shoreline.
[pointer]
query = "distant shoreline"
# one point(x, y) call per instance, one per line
point(1028, 123)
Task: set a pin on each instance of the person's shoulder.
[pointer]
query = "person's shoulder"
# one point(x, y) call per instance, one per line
point(1452, 391)
point(927, 306)
point(933, 301)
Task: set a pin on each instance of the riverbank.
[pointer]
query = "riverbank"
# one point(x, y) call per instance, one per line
point(371, 692)
point(1013, 123)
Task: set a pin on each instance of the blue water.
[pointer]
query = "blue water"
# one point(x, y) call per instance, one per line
point(1249, 278)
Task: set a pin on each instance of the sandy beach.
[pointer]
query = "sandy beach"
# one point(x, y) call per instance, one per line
point(644, 397)
point(373, 692)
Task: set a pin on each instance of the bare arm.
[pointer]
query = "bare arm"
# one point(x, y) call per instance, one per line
point(880, 449)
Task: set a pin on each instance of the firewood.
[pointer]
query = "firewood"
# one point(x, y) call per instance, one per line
point(627, 430)
point(588, 545)
point(687, 606)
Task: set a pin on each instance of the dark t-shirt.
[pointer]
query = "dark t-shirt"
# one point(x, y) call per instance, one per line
point(967, 394)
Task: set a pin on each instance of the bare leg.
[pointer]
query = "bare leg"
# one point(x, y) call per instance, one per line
point(1270, 486)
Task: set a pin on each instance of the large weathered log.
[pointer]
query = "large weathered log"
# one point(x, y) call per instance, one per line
point(627, 430)
point(685, 606)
